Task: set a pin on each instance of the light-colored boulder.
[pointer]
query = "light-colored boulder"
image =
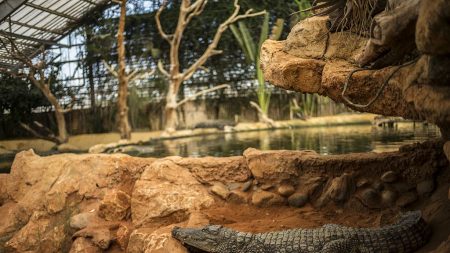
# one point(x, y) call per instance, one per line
point(59, 186)
point(274, 167)
point(166, 191)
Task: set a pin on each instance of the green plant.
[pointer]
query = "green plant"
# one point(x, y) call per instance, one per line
point(251, 51)
point(302, 6)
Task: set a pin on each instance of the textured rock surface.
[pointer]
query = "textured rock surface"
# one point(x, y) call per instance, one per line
point(83, 245)
point(220, 190)
point(61, 203)
point(219, 169)
point(115, 205)
point(417, 91)
point(273, 167)
point(166, 193)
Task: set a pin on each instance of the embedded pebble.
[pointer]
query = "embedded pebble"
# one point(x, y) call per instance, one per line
point(362, 182)
point(233, 186)
point(370, 198)
point(389, 177)
point(425, 188)
point(298, 199)
point(265, 198)
point(286, 190)
point(237, 197)
point(406, 199)
point(388, 197)
point(247, 185)
point(378, 186)
point(266, 187)
point(220, 190)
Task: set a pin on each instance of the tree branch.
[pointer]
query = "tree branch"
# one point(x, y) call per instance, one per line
point(158, 23)
point(139, 74)
point(110, 69)
point(38, 135)
point(162, 70)
point(211, 50)
point(222, 86)
point(262, 116)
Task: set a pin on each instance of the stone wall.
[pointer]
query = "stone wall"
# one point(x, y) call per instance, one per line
point(113, 203)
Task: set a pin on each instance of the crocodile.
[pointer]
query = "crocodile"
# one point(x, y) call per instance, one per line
point(408, 234)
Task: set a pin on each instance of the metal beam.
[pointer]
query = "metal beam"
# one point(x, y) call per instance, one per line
point(38, 7)
point(24, 37)
point(36, 27)
point(9, 6)
point(89, 2)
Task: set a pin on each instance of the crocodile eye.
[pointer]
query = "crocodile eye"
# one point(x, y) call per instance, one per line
point(215, 228)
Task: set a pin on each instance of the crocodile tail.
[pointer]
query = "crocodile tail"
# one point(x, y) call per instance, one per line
point(412, 231)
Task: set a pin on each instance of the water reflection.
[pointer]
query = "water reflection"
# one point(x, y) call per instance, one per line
point(324, 140)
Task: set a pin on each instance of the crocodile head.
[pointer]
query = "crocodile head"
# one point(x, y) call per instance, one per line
point(209, 238)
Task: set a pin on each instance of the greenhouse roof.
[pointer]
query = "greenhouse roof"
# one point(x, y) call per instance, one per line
point(32, 24)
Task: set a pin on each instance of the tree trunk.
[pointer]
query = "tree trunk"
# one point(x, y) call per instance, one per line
point(59, 112)
point(122, 112)
point(171, 117)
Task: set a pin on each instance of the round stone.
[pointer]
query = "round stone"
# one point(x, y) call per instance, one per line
point(298, 199)
point(370, 198)
point(388, 197)
point(286, 190)
point(265, 198)
point(389, 177)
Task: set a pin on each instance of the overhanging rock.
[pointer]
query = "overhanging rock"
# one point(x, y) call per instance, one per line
point(312, 60)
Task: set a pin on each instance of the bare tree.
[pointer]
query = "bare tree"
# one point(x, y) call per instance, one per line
point(176, 76)
point(34, 70)
point(123, 77)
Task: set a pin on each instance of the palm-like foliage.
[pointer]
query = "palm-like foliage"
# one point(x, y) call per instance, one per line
point(251, 50)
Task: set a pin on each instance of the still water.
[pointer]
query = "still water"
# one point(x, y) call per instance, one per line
point(324, 140)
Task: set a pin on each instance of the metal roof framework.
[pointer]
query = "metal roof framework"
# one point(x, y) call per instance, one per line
point(34, 24)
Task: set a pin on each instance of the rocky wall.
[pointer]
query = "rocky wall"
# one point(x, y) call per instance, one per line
point(116, 203)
